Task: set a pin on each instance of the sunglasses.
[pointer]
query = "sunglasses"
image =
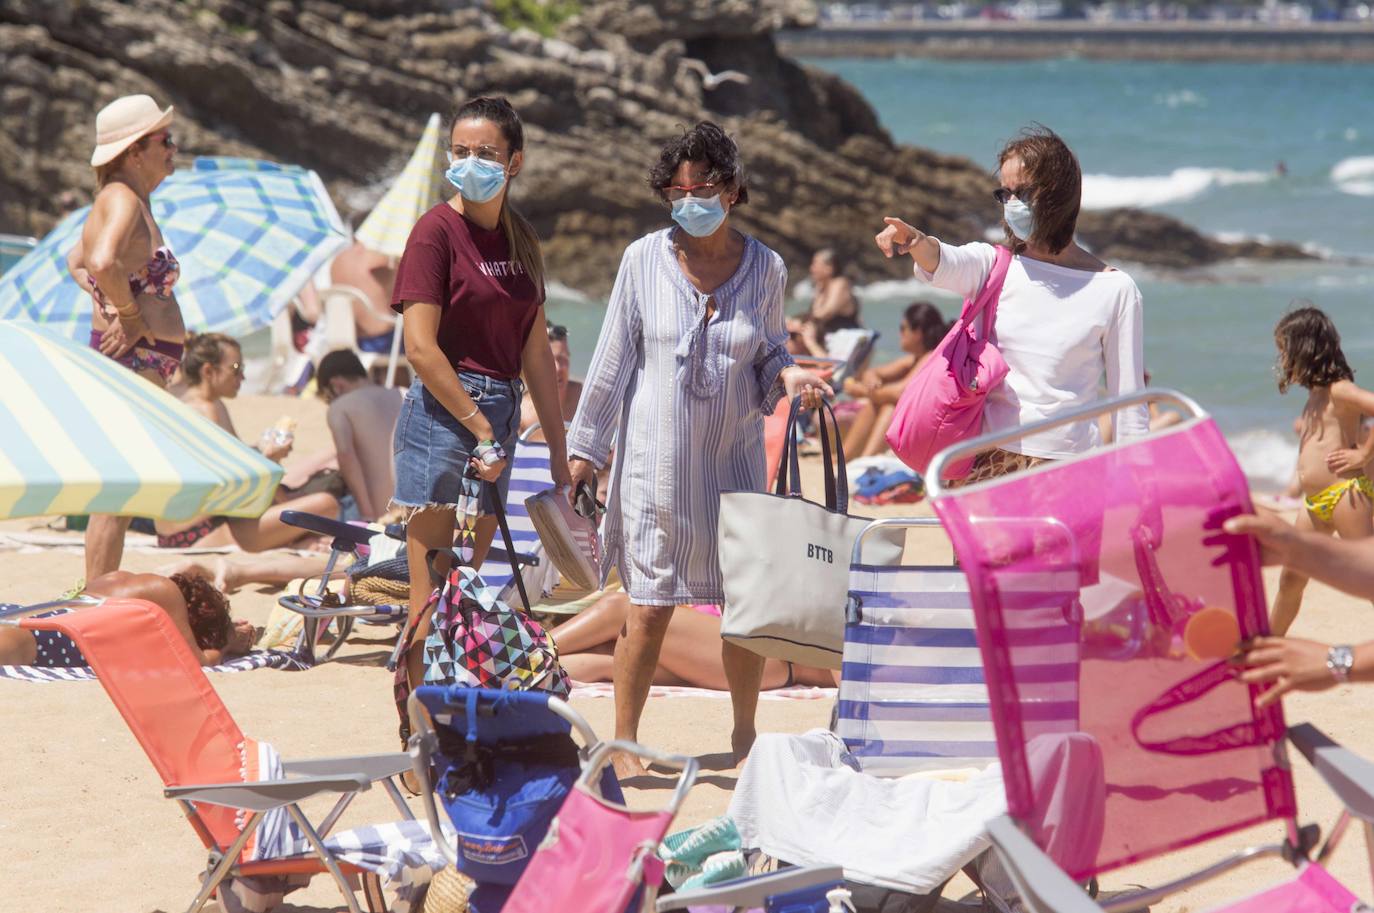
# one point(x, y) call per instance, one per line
point(674, 192)
point(237, 368)
point(558, 333)
point(1003, 194)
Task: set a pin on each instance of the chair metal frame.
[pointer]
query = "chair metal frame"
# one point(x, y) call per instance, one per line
point(1046, 887)
point(301, 779)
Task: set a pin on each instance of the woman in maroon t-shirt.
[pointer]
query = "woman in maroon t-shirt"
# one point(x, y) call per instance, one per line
point(471, 286)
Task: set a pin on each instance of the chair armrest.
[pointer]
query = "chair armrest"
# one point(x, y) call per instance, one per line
point(1350, 776)
point(748, 893)
point(373, 766)
point(355, 535)
point(265, 795)
point(309, 607)
point(1042, 885)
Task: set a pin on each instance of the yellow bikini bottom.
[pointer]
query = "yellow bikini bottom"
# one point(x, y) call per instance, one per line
point(1323, 504)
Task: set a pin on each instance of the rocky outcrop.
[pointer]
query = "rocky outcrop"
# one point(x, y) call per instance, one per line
point(344, 87)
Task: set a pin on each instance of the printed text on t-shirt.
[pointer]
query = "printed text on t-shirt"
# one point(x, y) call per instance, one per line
point(501, 269)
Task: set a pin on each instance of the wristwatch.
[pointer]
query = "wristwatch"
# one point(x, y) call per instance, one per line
point(1340, 660)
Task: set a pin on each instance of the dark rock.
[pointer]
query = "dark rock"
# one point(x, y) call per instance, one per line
point(345, 86)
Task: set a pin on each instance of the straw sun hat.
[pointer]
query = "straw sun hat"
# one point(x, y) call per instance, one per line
point(124, 122)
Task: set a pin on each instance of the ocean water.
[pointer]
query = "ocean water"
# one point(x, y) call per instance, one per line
point(1196, 141)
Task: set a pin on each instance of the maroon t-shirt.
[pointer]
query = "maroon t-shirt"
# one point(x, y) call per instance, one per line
point(489, 302)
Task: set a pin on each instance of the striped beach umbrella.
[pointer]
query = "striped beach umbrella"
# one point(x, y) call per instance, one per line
point(79, 434)
point(249, 235)
point(415, 190)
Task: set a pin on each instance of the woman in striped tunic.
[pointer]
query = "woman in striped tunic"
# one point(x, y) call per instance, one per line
point(692, 354)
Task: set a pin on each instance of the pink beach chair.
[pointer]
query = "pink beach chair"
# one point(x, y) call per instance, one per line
point(227, 784)
point(1169, 750)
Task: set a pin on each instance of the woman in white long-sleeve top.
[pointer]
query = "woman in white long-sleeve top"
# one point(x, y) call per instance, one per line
point(1064, 319)
point(692, 354)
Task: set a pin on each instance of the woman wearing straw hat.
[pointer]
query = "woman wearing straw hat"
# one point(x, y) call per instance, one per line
point(122, 262)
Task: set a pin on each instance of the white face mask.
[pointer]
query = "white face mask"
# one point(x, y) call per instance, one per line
point(1019, 218)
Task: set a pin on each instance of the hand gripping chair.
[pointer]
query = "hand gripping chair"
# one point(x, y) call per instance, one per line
point(1169, 750)
point(206, 762)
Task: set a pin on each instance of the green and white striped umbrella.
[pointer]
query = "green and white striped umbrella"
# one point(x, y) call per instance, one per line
point(80, 434)
point(249, 235)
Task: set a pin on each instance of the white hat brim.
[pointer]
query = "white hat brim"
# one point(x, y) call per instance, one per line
point(108, 152)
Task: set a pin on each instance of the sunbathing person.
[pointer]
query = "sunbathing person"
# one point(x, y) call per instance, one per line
point(690, 654)
point(569, 391)
point(213, 366)
point(200, 612)
point(875, 392)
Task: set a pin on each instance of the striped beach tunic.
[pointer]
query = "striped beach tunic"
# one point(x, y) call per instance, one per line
point(683, 400)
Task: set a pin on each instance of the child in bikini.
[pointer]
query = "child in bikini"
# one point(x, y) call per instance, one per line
point(1338, 495)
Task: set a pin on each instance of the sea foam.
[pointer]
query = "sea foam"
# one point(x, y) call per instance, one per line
point(1266, 457)
point(1355, 176)
point(1106, 191)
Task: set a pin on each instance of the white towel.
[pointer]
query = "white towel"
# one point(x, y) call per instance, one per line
point(802, 799)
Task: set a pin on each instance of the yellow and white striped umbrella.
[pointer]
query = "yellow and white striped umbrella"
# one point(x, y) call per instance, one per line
point(80, 434)
point(414, 192)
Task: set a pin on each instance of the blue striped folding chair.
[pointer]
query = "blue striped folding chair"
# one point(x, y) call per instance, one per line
point(912, 692)
point(912, 695)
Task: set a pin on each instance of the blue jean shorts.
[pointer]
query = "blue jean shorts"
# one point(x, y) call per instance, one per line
point(433, 449)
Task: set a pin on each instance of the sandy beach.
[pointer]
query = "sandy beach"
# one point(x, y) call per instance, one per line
point(84, 827)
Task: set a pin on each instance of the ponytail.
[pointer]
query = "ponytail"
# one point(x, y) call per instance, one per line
point(523, 242)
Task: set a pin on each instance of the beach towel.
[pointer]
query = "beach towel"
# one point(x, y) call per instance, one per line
point(802, 799)
point(401, 852)
point(258, 659)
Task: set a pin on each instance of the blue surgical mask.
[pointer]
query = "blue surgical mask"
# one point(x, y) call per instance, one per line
point(1019, 218)
point(477, 179)
point(699, 216)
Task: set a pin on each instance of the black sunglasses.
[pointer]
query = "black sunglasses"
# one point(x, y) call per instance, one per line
point(558, 333)
point(1003, 194)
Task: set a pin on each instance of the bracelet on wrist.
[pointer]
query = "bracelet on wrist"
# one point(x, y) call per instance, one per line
point(464, 418)
point(489, 452)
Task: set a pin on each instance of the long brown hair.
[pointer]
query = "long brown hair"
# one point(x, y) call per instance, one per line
point(1056, 182)
point(1309, 350)
point(520, 234)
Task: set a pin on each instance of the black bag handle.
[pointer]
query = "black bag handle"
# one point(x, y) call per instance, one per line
point(511, 556)
point(836, 475)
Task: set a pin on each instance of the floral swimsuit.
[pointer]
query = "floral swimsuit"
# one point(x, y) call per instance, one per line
point(156, 278)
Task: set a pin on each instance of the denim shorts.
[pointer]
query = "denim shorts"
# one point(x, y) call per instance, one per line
point(433, 449)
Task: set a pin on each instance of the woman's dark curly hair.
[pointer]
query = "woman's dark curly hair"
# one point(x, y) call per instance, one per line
point(207, 609)
point(706, 143)
point(1309, 350)
point(204, 349)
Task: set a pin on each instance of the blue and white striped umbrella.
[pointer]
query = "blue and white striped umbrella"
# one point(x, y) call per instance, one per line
point(249, 235)
point(79, 434)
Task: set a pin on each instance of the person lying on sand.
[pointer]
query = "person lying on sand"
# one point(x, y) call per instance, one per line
point(690, 654)
point(200, 612)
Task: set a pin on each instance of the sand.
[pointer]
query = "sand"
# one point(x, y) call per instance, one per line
point(84, 827)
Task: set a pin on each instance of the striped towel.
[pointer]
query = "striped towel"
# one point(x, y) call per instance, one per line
point(258, 659)
point(401, 852)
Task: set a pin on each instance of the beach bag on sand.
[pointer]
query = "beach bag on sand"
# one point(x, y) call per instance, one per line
point(943, 404)
point(785, 560)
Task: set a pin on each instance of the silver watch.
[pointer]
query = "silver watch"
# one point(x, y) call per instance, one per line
point(1340, 660)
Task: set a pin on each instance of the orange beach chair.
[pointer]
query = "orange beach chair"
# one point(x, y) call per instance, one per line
point(206, 763)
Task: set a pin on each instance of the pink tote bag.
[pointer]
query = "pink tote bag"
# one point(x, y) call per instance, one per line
point(943, 403)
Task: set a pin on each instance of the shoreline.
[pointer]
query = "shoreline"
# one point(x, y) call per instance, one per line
point(1000, 40)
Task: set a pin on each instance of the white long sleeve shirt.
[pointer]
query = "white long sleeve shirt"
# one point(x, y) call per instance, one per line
point(1060, 330)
